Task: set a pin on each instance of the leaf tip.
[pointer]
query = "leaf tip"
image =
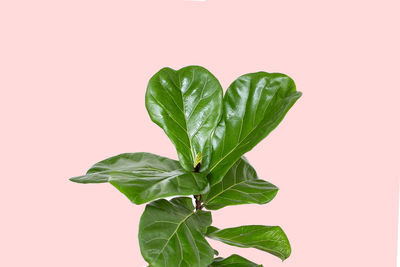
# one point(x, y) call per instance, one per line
point(74, 179)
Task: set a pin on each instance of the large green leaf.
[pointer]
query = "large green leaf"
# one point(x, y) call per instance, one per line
point(187, 105)
point(271, 239)
point(144, 177)
point(233, 261)
point(253, 106)
point(171, 233)
point(240, 185)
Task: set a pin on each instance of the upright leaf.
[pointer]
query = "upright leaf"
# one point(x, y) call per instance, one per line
point(144, 177)
point(253, 106)
point(240, 185)
point(187, 105)
point(271, 239)
point(233, 261)
point(171, 233)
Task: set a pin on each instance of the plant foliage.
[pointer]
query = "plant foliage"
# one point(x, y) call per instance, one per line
point(211, 133)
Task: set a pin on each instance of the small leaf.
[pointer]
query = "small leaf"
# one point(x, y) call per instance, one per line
point(198, 159)
point(239, 186)
point(253, 106)
point(171, 233)
point(233, 261)
point(187, 105)
point(271, 239)
point(144, 177)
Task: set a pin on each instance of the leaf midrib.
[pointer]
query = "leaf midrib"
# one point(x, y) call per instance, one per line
point(240, 142)
point(248, 246)
point(131, 171)
point(222, 191)
point(183, 111)
point(176, 230)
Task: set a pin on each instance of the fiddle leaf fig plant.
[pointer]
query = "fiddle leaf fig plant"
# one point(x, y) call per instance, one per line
point(211, 133)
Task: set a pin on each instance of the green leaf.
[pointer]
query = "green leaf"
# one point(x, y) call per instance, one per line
point(187, 105)
point(144, 177)
point(233, 261)
point(271, 239)
point(253, 106)
point(198, 159)
point(171, 233)
point(240, 185)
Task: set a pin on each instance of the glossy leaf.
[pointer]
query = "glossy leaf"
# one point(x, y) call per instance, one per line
point(233, 261)
point(187, 105)
point(253, 106)
point(240, 185)
point(171, 233)
point(144, 177)
point(271, 239)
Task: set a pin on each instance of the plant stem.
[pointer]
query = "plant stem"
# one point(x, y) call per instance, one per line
point(197, 167)
point(199, 199)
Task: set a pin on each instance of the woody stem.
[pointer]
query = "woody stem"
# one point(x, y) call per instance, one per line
point(199, 199)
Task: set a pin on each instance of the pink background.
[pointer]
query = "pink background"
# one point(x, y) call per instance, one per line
point(73, 76)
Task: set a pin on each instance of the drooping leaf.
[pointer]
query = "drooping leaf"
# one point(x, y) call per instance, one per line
point(171, 233)
point(187, 105)
point(144, 177)
point(240, 185)
point(253, 106)
point(271, 239)
point(233, 261)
